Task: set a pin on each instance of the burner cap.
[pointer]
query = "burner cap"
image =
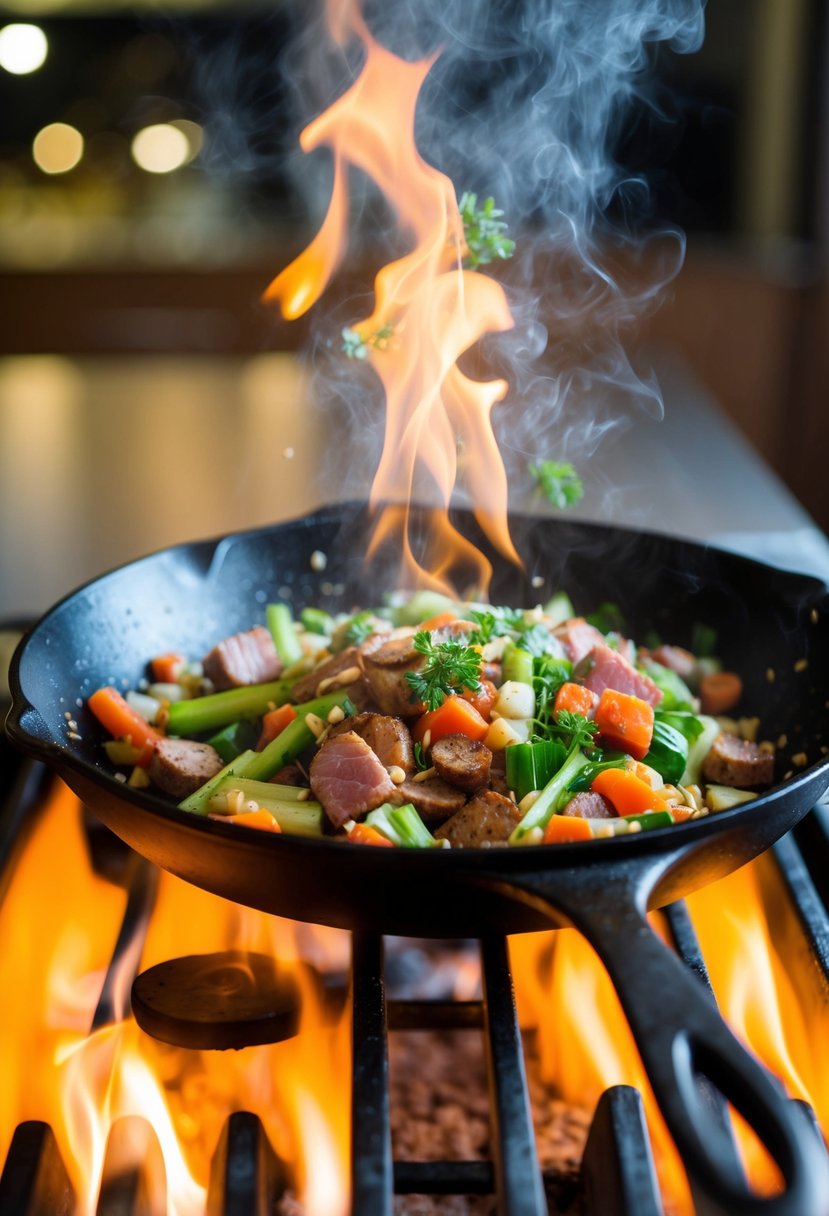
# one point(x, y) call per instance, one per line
point(230, 999)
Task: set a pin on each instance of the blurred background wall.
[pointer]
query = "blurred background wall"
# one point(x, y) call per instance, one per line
point(132, 223)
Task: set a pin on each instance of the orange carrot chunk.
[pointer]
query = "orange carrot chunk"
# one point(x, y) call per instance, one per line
point(363, 833)
point(261, 819)
point(576, 699)
point(454, 717)
point(166, 668)
point(122, 722)
point(565, 829)
point(720, 691)
point(627, 792)
point(440, 621)
point(482, 699)
point(625, 722)
point(273, 724)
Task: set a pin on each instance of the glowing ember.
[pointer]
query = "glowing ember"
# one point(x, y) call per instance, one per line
point(429, 309)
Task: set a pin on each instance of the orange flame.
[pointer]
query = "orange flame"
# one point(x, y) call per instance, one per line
point(429, 309)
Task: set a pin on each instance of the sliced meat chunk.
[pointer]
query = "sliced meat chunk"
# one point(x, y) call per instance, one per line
point(678, 660)
point(488, 818)
point(348, 663)
point(578, 637)
point(180, 766)
point(462, 762)
point(388, 738)
point(590, 806)
point(498, 773)
point(386, 668)
point(289, 774)
point(434, 798)
point(243, 658)
point(736, 762)
point(605, 668)
point(348, 779)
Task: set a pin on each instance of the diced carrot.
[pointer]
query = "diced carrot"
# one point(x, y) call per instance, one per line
point(720, 691)
point(625, 722)
point(122, 722)
point(576, 699)
point(440, 621)
point(261, 819)
point(454, 717)
point(483, 698)
point(273, 724)
point(363, 833)
point(564, 829)
point(166, 668)
point(627, 792)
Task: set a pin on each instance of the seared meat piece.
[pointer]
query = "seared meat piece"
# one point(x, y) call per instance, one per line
point(180, 766)
point(590, 806)
point(307, 687)
point(289, 774)
point(678, 660)
point(386, 668)
point(605, 668)
point(578, 637)
point(434, 798)
point(498, 773)
point(387, 737)
point(735, 761)
point(243, 658)
point(486, 819)
point(462, 762)
point(348, 779)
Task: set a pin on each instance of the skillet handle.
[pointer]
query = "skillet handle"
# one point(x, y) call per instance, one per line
point(681, 1036)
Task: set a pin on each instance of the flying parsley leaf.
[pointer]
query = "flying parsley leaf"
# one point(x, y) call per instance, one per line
point(559, 482)
point(495, 623)
point(449, 668)
point(484, 231)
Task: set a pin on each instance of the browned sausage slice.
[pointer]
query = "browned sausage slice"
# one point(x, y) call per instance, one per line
point(434, 798)
point(387, 737)
point(462, 762)
point(488, 818)
point(180, 766)
point(736, 762)
point(590, 806)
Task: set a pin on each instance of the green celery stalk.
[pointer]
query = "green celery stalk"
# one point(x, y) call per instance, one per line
point(421, 606)
point(401, 825)
point(517, 664)
point(545, 804)
point(231, 740)
point(201, 714)
point(198, 800)
point(559, 608)
point(281, 624)
point(316, 620)
point(294, 817)
point(294, 738)
point(531, 765)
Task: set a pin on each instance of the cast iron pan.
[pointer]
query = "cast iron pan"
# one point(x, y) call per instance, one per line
point(768, 621)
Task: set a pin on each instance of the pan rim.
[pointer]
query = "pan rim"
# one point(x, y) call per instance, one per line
point(62, 757)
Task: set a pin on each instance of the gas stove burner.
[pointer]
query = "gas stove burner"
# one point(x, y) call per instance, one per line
point(230, 999)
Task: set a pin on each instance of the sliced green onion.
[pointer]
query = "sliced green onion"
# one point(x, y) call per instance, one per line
point(283, 631)
point(545, 804)
point(401, 825)
point(234, 739)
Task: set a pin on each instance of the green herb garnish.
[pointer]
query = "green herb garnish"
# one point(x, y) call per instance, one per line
point(359, 628)
point(574, 729)
point(559, 482)
point(450, 667)
point(484, 231)
point(355, 346)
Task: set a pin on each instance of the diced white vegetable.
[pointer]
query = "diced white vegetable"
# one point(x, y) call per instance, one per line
point(501, 734)
point(168, 692)
point(723, 797)
point(645, 773)
point(515, 700)
point(146, 706)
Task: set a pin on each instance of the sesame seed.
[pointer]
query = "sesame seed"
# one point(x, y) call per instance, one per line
point(426, 742)
point(324, 685)
point(397, 774)
point(121, 777)
point(425, 775)
point(303, 795)
point(800, 760)
point(813, 616)
point(68, 715)
point(348, 676)
point(801, 664)
point(770, 676)
point(538, 580)
point(318, 560)
point(315, 724)
point(634, 827)
point(336, 714)
point(72, 734)
point(250, 805)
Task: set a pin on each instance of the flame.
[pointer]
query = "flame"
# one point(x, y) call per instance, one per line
point(767, 989)
point(429, 309)
point(54, 956)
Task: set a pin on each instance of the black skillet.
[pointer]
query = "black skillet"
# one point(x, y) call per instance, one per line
point(768, 623)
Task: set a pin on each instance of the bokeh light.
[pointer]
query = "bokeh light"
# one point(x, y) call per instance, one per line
point(23, 48)
point(57, 148)
point(193, 133)
point(161, 148)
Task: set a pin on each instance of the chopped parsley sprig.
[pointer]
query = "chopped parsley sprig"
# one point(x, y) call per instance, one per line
point(512, 623)
point(559, 482)
point(484, 231)
point(574, 729)
point(450, 667)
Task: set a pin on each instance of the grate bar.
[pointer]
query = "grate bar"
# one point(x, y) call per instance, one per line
point(618, 1173)
point(141, 878)
point(805, 898)
point(444, 1177)
point(34, 1181)
point(436, 1015)
point(246, 1176)
point(372, 1176)
point(519, 1186)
